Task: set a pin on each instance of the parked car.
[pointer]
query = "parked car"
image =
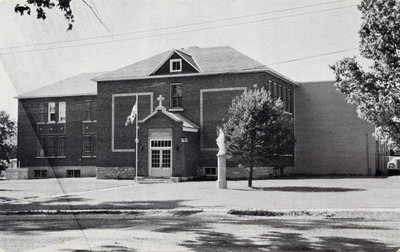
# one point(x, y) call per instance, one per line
point(393, 166)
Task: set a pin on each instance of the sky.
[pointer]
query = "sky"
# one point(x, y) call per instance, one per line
point(298, 38)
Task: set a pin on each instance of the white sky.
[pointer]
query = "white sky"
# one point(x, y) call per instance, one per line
point(270, 31)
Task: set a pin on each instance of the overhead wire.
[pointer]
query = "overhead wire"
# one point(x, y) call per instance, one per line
point(175, 26)
point(177, 32)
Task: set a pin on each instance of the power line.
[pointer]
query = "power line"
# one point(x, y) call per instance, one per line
point(312, 56)
point(174, 27)
point(178, 32)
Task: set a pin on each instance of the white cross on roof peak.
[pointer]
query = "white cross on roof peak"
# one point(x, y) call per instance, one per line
point(160, 99)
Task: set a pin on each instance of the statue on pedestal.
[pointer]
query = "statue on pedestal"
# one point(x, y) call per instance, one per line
point(221, 182)
point(221, 142)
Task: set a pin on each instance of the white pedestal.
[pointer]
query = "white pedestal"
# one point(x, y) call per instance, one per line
point(221, 182)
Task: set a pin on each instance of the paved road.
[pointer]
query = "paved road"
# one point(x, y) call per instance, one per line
point(188, 231)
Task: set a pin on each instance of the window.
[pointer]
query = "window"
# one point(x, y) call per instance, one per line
point(289, 100)
point(274, 91)
point(50, 146)
point(40, 173)
point(52, 112)
point(90, 110)
point(210, 171)
point(42, 112)
point(279, 92)
point(40, 147)
point(61, 147)
point(166, 158)
point(176, 95)
point(175, 65)
point(73, 173)
point(284, 98)
point(269, 87)
point(61, 111)
point(161, 153)
point(89, 146)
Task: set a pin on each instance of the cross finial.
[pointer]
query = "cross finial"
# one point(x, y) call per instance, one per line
point(160, 99)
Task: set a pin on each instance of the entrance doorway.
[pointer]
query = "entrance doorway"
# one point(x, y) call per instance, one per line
point(160, 153)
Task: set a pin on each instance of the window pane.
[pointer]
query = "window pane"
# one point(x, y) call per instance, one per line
point(166, 158)
point(155, 158)
point(88, 110)
point(52, 112)
point(87, 145)
point(40, 149)
point(61, 111)
point(42, 112)
point(176, 95)
point(284, 99)
point(61, 146)
point(93, 145)
point(50, 146)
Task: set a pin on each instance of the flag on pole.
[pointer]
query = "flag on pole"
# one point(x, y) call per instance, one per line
point(131, 118)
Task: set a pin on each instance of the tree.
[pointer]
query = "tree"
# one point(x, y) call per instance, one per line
point(42, 5)
point(257, 130)
point(376, 92)
point(7, 137)
point(63, 5)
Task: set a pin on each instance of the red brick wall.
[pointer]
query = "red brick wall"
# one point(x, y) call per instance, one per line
point(28, 116)
point(330, 138)
point(191, 104)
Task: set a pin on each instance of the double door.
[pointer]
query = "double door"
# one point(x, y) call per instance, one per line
point(160, 157)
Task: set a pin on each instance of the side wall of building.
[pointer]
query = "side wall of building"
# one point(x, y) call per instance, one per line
point(330, 138)
point(32, 129)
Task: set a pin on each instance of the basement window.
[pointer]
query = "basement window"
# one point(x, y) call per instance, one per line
point(210, 171)
point(73, 173)
point(40, 173)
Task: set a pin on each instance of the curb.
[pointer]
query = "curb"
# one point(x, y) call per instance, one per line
point(198, 210)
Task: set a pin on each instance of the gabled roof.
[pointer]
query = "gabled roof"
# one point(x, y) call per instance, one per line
point(183, 55)
point(210, 60)
point(78, 85)
point(187, 125)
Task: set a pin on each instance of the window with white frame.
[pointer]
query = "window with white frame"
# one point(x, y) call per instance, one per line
point(61, 111)
point(52, 112)
point(175, 65)
point(161, 153)
point(176, 95)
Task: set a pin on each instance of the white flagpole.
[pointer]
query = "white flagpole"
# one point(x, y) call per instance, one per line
point(137, 138)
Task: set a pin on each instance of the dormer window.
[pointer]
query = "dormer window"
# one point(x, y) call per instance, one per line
point(175, 65)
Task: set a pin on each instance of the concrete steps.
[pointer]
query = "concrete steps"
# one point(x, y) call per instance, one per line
point(151, 180)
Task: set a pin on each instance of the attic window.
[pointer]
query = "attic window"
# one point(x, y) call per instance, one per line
point(175, 65)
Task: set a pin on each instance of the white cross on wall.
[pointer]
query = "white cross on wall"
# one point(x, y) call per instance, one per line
point(160, 99)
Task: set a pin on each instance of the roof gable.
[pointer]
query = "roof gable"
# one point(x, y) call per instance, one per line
point(186, 63)
point(187, 125)
point(211, 60)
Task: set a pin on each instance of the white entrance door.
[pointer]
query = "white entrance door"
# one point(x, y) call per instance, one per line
point(160, 157)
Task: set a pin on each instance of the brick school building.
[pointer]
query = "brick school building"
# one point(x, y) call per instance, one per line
point(77, 127)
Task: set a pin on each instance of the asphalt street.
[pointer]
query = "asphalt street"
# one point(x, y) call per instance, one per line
point(201, 231)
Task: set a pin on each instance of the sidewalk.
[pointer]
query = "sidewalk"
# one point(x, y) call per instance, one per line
point(88, 193)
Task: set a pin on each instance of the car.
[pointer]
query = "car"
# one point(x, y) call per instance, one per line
point(393, 166)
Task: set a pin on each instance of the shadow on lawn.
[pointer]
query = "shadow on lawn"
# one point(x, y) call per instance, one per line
point(208, 240)
point(76, 203)
point(114, 248)
point(307, 189)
